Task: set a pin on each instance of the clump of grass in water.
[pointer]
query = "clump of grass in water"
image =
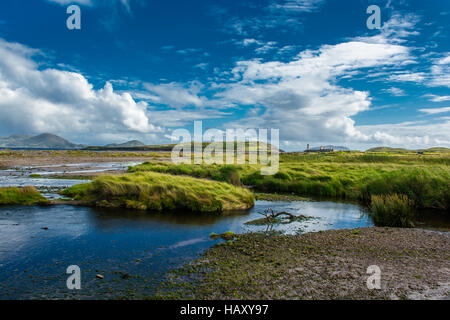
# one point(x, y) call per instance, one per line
point(228, 236)
point(27, 196)
point(158, 192)
point(392, 210)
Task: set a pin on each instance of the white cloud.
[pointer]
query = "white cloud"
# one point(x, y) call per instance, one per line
point(175, 94)
point(125, 3)
point(440, 73)
point(435, 110)
point(395, 92)
point(302, 98)
point(436, 98)
point(407, 76)
point(49, 100)
point(410, 134)
point(298, 5)
point(67, 2)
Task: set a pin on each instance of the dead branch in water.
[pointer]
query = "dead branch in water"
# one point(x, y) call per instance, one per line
point(270, 215)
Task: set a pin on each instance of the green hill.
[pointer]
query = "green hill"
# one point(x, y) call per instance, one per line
point(402, 150)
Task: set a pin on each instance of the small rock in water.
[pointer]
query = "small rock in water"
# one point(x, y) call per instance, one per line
point(125, 276)
point(99, 276)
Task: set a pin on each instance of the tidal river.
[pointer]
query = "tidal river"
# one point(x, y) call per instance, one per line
point(133, 251)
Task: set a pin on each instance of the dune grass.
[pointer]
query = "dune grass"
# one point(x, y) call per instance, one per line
point(157, 192)
point(26, 196)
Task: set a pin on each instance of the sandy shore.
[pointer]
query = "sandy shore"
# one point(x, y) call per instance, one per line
point(21, 158)
point(415, 264)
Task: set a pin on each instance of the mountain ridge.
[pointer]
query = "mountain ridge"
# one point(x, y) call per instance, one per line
point(128, 144)
point(40, 141)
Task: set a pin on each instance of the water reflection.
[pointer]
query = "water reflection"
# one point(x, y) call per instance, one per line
point(22, 176)
point(114, 241)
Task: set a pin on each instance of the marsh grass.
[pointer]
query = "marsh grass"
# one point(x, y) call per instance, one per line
point(340, 175)
point(223, 173)
point(392, 210)
point(26, 196)
point(158, 192)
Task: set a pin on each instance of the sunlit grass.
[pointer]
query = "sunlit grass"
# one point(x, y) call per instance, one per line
point(341, 175)
point(26, 196)
point(157, 192)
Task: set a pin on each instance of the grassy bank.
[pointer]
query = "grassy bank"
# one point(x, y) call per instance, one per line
point(26, 196)
point(355, 176)
point(158, 192)
point(324, 265)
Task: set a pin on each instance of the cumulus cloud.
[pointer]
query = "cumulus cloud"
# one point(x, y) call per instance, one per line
point(411, 134)
point(302, 98)
point(50, 100)
point(176, 94)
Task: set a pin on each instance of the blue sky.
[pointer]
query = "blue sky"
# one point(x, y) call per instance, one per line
point(140, 69)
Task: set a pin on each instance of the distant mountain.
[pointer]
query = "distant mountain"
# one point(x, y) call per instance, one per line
point(42, 141)
point(169, 147)
point(335, 148)
point(128, 144)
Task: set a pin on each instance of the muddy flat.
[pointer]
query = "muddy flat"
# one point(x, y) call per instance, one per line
point(52, 158)
point(414, 264)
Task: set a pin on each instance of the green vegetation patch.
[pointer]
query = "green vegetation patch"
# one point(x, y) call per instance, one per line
point(228, 236)
point(157, 192)
point(392, 210)
point(425, 179)
point(340, 175)
point(277, 220)
point(27, 196)
point(279, 197)
point(224, 173)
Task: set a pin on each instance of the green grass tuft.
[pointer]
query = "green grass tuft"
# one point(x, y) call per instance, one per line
point(26, 196)
point(392, 210)
point(158, 192)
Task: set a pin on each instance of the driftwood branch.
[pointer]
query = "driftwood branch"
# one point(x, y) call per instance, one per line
point(269, 214)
